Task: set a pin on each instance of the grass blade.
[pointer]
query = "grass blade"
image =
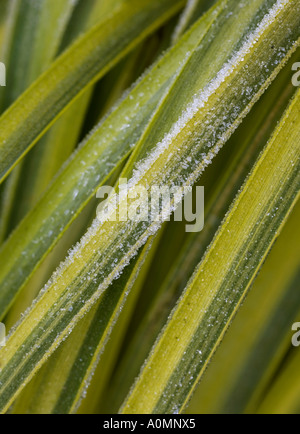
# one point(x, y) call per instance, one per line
point(193, 10)
point(90, 337)
point(4, 7)
point(33, 175)
point(86, 61)
point(210, 301)
point(284, 394)
point(186, 137)
point(102, 154)
point(232, 167)
point(236, 380)
point(36, 30)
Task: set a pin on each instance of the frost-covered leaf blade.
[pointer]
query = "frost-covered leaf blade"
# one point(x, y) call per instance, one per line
point(202, 316)
point(181, 139)
point(235, 383)
point(241, 153)
point(100, 156)
point(90, 337)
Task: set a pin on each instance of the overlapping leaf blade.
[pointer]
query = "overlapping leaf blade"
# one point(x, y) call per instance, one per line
point(90, 167)
point(283, 396)
point(88, 59)
point(237, 379)
point(40, 26)
point(33, 175)
point(90, 337)
point(79, 283)
point(224, 276)
point(244, 148)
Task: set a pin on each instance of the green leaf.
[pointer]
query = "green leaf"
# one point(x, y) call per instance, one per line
point(86, 14)
point(96, 391)
point(40, 26)
point(68, 385)
point(259, 338)
point(283, 396)
point(79, 67)
point(164, 71)
point(205, 311)
point(4, 4)
point(101, 155)
point(182, 137)
point(33, 175)
point(193, 10)
point(39, 171)
point(36, 30)
point(222, 182)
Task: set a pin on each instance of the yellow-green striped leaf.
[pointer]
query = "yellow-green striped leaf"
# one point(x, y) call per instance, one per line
point(227, 179)
point(259, 336)
point(80, 66)
point(182, 137)
point(90, 167)
point(202, 316)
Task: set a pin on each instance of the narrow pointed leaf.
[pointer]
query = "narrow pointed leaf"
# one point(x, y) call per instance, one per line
point(258, 340)
point(180, 141)
point(33, 175)
point(283, 396)
point(79, 67)
point(100, 155)
point(193, 10)
point(252, 137)
point(36, 30)
point(224, 276)
point(68, 386)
